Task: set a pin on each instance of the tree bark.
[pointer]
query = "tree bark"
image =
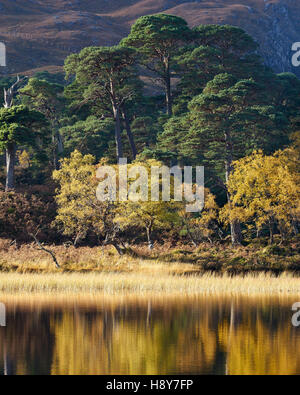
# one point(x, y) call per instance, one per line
point(271, 229)
point(168, 87)
point(117, 118)
point(58, 149)
point(129, 135)
point(11, 92)
point(58, 137)
point(235, 226)
point(42, 248)
point(118, 248)
point(118, 137)
point(60, 144)
point(11, 149)
point(149, 231)
point(10, 167)
point(236, 233)
point(54, 153)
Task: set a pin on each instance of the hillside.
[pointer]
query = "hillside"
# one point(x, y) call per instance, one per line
point(41, 33)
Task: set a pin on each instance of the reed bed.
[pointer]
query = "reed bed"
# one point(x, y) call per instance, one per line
point(147, 284)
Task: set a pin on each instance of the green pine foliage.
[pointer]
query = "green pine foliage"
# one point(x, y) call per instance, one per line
point(166, 92)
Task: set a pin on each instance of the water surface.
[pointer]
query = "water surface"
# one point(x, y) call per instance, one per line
point(204, 335)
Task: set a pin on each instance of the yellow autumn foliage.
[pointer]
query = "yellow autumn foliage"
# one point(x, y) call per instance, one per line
point(265, 190)
point(78, 208)
point(202, 226)
point(149, 215)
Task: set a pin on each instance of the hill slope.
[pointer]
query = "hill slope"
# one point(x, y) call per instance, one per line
point(41, 33)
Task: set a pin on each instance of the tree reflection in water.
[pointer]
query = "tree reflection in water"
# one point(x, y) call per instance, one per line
point(186, 336)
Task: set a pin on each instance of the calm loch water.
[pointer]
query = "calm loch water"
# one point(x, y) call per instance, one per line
point(171, 336)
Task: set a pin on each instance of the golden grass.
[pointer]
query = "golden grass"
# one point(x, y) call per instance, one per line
point(163, 271)
point(146, 284)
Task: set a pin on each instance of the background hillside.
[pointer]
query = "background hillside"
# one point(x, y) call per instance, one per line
point(41, 33)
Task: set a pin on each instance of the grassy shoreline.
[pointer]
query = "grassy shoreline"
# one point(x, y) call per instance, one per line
point(147, 284)
point(164, 271)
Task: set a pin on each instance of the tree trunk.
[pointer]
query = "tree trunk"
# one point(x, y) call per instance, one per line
point(58, 149)
point(271, 229)
point(295, 228)
point(118, 137)
point(190, 234)
point(235, 226)
point(129, 135)
point(118, 248)
point(11, 149)
point(10, 167)
point(60, 144)
point(116, 111)
point(11, 92)
point(149, 230)
point(236, 233)
point(54, 153)
point(8, 98)
point(168, 87)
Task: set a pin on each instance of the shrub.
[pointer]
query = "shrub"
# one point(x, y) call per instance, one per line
point(22, 214)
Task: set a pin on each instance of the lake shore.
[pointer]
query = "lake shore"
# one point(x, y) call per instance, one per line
point(166, 270)
point(111, 284)
point(165, 258)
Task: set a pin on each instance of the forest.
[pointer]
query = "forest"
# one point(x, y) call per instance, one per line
point(165, 95)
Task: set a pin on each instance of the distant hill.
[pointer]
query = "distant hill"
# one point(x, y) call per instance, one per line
point(39, 34)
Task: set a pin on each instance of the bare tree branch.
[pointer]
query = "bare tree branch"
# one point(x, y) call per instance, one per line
point(10, 92)
point(42, 248)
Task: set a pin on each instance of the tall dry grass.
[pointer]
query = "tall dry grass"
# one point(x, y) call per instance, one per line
point(164, 271)
point(147, 284)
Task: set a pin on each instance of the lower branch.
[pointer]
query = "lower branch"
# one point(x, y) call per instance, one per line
point(42, 248)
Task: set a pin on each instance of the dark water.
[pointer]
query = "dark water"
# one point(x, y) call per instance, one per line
point(182, 336)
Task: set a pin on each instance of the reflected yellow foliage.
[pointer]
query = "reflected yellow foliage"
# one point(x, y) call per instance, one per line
point(209, 336)
point(252, 350)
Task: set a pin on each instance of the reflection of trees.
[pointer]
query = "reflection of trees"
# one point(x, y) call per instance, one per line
point(206, 337)
point(116, 344)
point(259, 346)
point(26, 338)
